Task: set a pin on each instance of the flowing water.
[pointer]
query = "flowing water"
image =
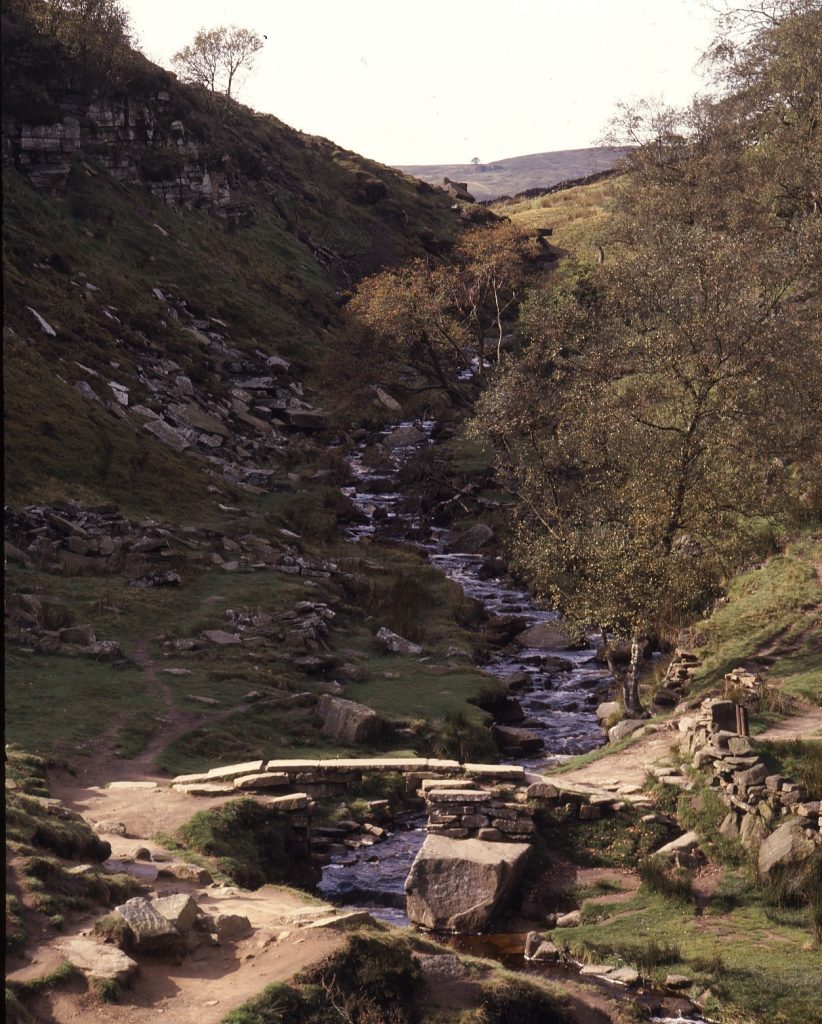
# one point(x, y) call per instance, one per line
point(558, 699)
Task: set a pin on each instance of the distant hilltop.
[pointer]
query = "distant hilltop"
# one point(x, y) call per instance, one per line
point(516, 174)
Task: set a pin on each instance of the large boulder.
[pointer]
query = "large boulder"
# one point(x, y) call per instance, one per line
point(472, 540)
point(787, 846)
point(545, 636)
point(456, 885)
point(393, 643)
point(151, 931)
point(105, 963)
point(348, 722)
point(624, 728)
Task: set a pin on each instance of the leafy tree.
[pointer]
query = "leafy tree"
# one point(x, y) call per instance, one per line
point(216, 57)
point(96, 33)
point(428, 323)
point(668, 400)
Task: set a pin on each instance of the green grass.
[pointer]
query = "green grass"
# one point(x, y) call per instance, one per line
point(775, 605)
point(755, 965)
point(617, 841)
point(578, 215)
point(246, 842)
point(83, 698)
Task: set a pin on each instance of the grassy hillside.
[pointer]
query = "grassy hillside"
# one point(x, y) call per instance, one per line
point(577, 215)
point(516, 174)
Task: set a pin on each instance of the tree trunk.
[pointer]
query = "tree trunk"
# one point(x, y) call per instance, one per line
point(630, 682)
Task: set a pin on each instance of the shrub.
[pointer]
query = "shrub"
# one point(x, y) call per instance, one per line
point(516, 1001)
point(276, 1004)
point(676, 884)
point(249, 843)
point(371, 981)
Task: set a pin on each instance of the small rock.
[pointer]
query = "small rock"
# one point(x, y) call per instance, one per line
point(569, 920)
point(110, 828)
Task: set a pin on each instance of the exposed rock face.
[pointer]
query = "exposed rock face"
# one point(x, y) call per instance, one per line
point(348, 722)
point(786, 846)
point(456, 885)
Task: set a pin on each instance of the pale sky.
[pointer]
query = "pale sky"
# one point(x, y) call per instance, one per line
point(433, 81)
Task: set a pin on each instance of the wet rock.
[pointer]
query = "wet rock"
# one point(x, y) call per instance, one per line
point(538, 947)
point(456, 885)
point(404, 436)
point(545, 635)
point(472, 540)
point(510, 736)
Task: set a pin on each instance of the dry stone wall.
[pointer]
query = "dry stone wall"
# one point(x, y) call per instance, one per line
point(759, 801)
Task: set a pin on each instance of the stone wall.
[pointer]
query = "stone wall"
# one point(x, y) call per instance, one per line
point(487, 814)
point(758, 800)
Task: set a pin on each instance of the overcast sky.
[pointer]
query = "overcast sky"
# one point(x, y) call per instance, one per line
point(433, 81)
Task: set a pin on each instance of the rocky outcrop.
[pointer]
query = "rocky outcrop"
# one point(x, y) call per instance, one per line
point(348, 722)
point(457, 885)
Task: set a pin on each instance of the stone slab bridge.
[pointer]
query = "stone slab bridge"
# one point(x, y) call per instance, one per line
point(491, 802)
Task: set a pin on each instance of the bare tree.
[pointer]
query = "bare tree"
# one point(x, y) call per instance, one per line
point(216, 57)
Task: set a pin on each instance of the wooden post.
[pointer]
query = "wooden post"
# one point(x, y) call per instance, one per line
point(742, 725)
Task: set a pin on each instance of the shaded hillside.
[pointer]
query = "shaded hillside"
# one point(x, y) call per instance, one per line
point(147, 241)
point(516, 174)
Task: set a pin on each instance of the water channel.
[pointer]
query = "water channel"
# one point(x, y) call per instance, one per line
point(559, 697)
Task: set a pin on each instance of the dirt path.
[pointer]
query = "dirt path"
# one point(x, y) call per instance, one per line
point(799, 727)
point(626, 767)
point(101, 765)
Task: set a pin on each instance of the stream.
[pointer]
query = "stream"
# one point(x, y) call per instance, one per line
point(559, 697)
